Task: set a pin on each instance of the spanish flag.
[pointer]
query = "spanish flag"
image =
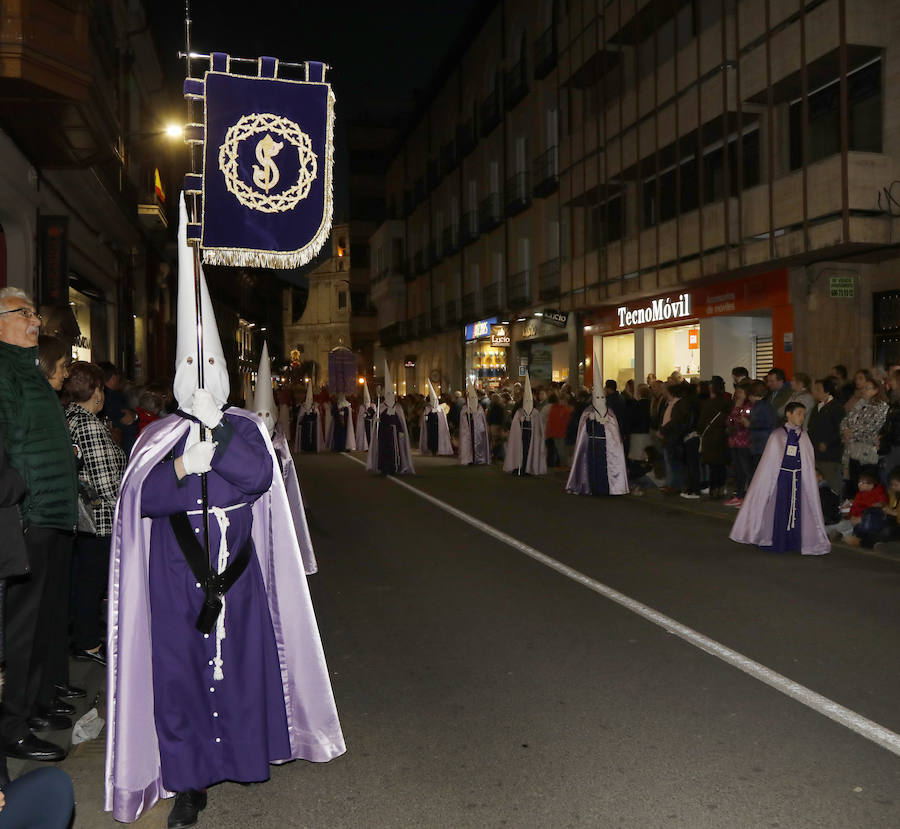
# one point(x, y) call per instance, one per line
point(160, 193)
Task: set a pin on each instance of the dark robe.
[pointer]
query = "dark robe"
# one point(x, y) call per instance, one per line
point(367, 422)
point(309, 422)
point(598, 475)
point(211, 730)
point(526, 445)
point(340, 417)
point(786, 526)
point(390, 431)
point(431, 425)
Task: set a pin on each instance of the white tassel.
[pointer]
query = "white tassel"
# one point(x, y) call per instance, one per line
point(224, 523)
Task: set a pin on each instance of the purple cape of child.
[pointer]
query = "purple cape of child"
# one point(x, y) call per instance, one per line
point(171, 724)
point(782, 510)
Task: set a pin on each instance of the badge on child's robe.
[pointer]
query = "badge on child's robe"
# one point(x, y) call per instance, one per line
point(792, 451)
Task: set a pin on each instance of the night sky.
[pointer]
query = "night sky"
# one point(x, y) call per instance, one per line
point(380, 51)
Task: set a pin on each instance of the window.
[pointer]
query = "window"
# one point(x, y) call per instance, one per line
point(342, 299)
point(823, 129)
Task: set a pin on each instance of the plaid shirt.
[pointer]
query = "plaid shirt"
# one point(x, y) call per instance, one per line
point(103, 462)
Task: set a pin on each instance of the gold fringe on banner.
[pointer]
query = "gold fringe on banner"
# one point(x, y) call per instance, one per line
point(287, 260)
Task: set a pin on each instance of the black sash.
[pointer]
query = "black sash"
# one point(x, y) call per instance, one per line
point(214, 584)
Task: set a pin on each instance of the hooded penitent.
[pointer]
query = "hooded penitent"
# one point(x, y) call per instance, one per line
point(263, 406)
point(598, 463)
point(190, 707)
point(526, 450)
point(474, 438)
point(310, 435)
point(434, 431)
point(341, 435)
point(365, 416)
point(389, 448)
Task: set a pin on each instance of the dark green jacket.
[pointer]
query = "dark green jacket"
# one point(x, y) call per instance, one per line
point(37, 440)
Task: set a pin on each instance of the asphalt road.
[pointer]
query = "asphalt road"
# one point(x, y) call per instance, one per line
point(479, 688)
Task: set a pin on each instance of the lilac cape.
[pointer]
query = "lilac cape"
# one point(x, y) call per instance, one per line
point(753, 524)
point(350, 436)
point(444, 445)
point(579, 482)
point(482, 437)
point(362, 441)
point(133, 781)
point(295, 500)
point(320, 432)
point(536, 462)
point(406, 464)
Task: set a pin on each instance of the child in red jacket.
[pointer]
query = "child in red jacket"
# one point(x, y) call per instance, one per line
point(870, 494)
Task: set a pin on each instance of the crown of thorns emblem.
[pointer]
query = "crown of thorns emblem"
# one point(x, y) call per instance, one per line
point(267, 123)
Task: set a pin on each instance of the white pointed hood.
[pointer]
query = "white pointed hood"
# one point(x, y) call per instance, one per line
point(528, 397)
point(264, 399)
point(598, 398)
point(471, 398)
point(389, 397)
point(432, 397)
point(215, 372)
point(309, 404)
point(367, 398)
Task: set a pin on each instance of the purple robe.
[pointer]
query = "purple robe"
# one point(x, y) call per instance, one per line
point(364, 420)
point(295, 500)
point(769, 498)
point(474, 439)
point(341, 437)
point(615, 475)
point(310, 435)
point(526, 449)
point(434, 432)
point(389, 448)
point(166, 730)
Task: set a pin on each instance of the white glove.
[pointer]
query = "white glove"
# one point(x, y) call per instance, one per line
point(198, 458)
point(204, 408)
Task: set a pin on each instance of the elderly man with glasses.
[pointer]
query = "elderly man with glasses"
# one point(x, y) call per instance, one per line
point(38, 447)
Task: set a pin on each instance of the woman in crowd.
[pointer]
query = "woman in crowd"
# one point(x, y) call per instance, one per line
point(762, 421)
point(738, 432)
point(889, 436)
point(557, 421)
point(859, 432)
point(639, 423)
point(54, 358)
point(714, 413)
point(860, 378)
point(801, 392)
point(102, 464)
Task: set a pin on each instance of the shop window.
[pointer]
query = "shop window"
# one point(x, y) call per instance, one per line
point(676, 352)
point(823, 128)
point(618, 359)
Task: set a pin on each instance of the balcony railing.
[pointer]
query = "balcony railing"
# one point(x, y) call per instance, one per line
point(491, 297)
point(515, 84)
point(451, 312)
point(489, 213)
point(470, 306)
point(520, 289)
point(546, 172)
point(516, 193)
point(432, 174)
point(465, 137)
point(548, 274)
point(449, 158)
point(450, 238)
point(468, 227)
point(490, 112)
point(545, 52)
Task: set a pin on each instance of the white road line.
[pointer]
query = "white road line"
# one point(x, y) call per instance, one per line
point(806, 696)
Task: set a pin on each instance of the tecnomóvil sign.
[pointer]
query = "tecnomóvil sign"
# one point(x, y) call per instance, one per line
point(657, 310)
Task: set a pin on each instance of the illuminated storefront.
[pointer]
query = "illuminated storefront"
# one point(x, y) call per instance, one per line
point(542, 346)
point(699, 332)
point(486, 355)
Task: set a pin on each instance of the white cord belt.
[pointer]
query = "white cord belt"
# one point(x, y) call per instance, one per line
point(792, 515)
point(220, 514)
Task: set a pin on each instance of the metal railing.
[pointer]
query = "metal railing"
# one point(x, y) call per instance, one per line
point(545, 52)
point(489, 213)
point(548, 276)
point(520, 289)
point(515, 84)
point(546, 172)
point(516, 194)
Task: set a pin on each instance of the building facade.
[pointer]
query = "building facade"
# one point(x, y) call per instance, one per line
point(697, 184)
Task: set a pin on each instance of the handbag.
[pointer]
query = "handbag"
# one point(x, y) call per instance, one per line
point(87, 498)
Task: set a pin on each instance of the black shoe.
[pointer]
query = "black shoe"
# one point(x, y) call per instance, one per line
point(49, 722)
point(65, 691)
point(98, 656)
point(34, 748)
point(187, 808)
point(58, 707)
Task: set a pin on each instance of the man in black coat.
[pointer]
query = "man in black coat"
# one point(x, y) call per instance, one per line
point(824, 429)
point(616, 402)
